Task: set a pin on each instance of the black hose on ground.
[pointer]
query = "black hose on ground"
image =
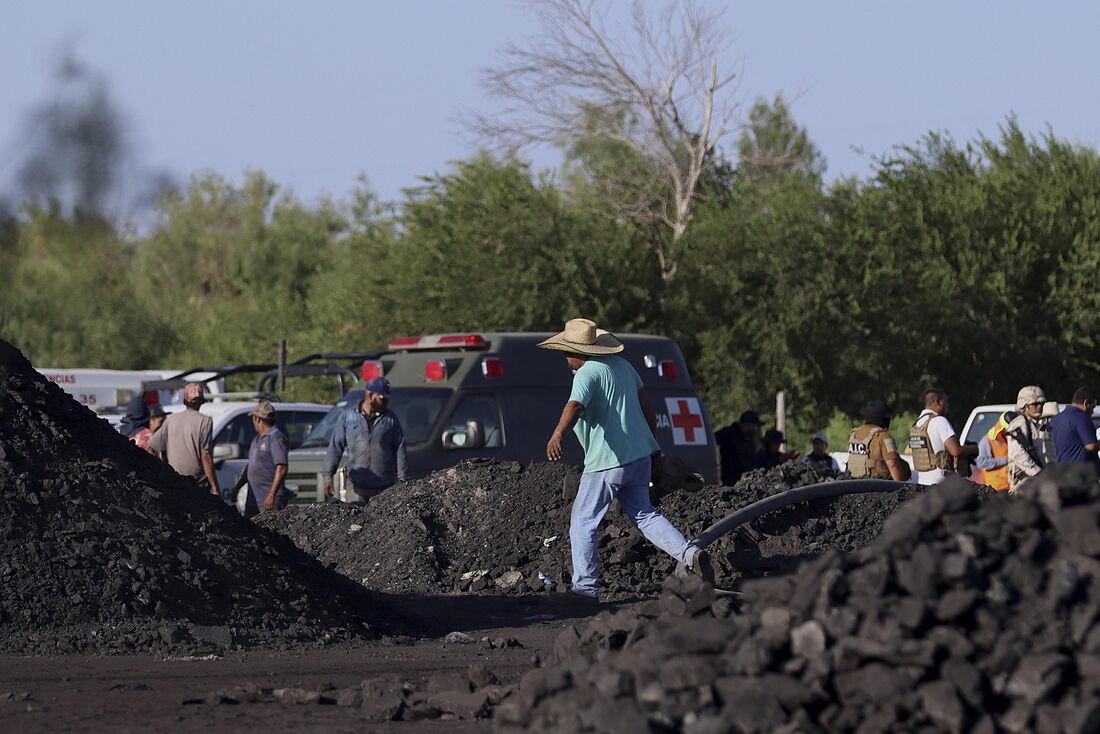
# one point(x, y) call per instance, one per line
point(790, 497)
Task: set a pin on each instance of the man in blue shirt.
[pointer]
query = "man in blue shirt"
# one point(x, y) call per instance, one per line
point(374, 441)
point(1073, 432)
point(615, 423)
point(266, 470)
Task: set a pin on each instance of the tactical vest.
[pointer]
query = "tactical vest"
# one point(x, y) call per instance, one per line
point(924, 459)
point(859, 454)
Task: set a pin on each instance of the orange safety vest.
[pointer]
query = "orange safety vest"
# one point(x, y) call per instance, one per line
point(995, 478)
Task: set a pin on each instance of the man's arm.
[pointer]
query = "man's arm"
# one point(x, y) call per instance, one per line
point(402, 454)
point(158, 442)
point(1088, 436)
point(208, 470)
point(986, 460)
point(334, 453)
point(276, 483)
point(957, 450)
point(896, 472)
point(647, 411)
point(569, 417)
point(241, 480)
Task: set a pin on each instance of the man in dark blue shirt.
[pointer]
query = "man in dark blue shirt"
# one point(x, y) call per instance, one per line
point(267, 463)
point(1073, 432)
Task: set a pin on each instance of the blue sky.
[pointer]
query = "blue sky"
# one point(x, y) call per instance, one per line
point(315, 93)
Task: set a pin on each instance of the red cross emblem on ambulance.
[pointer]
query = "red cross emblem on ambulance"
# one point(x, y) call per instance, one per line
point(686, 418)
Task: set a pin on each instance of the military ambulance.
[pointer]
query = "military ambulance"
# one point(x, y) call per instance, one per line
point(497, 395)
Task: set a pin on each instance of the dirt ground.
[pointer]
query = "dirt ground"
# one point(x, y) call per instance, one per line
point(148, 693)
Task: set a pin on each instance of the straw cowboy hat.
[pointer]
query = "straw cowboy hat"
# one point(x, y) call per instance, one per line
point(582, 337)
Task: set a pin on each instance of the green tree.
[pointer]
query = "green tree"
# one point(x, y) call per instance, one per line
point(773, 146)
point(233, 268)
point(486, 246)
point(964, 267)
point(67, 298)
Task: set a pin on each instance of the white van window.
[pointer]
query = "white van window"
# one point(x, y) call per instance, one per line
point(481, 408)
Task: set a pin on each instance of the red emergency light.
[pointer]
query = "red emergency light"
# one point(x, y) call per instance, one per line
point(666, 370)
point(404, 341)
point(435, 370)
point(474, 341)
point(371, 369)
point(150, 397)
point(492, 367)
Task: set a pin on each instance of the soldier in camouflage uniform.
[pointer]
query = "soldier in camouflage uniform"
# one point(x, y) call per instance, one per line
point(1030, 447)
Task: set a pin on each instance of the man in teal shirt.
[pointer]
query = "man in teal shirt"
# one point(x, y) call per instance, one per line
point(615, 423)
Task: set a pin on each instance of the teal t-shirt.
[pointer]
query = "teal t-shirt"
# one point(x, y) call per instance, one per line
point(612, 428)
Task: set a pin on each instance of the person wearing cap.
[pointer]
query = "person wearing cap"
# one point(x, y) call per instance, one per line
point(737, 445)
point(371, 436)
point(992, 461)
point(771, 456)
point(186, 440)
point(819, 455)
point(267, 462)
point(155, 420)
point(616, 425)
point(141, 421)
point(1030, 447)
point(871, 449)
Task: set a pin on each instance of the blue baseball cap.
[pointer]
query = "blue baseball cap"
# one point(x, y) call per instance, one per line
point(378, 385)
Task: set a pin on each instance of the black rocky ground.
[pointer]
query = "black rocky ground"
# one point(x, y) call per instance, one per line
point(491, 527)
point(963, 615)
point(103, 548)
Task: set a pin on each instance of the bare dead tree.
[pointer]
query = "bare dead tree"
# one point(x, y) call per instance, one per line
point(654, 90)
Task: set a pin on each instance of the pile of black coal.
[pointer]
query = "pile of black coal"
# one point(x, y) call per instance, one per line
point(963, 615)
point(104, 548)
point(502, 527)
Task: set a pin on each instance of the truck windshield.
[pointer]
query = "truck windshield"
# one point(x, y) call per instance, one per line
point(416, 407)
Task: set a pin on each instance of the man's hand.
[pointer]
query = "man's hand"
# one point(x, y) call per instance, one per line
point(656, 467)
point(328, 488)
point(569, 417)
point(269, 503)
point(553, 448)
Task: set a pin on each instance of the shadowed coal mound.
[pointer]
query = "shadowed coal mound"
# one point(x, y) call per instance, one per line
point(512, 522)
point(103, 548)
point(962, 616)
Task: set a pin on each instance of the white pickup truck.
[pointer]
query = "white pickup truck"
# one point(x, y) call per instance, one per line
point(983, 417)
point(233, 434)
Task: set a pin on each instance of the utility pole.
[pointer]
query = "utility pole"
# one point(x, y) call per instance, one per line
point(781, 416)
point(282, 365)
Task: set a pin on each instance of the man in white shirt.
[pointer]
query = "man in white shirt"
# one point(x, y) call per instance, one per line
point(932, 440)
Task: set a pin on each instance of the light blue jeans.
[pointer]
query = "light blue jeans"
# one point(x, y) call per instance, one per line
point(630, 485)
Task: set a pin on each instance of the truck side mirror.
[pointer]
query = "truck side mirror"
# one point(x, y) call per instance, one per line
point(470, 437)
point(475, 435)
point(224, 451)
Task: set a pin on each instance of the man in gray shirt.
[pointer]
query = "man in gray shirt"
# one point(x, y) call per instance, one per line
point(187, 439)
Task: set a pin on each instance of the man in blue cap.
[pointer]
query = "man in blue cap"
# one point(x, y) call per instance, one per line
point(375, 445)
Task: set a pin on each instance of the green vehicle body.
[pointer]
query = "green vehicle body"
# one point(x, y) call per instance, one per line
point(496, 395)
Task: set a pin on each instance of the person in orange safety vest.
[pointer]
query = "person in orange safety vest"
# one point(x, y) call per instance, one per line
point(992, 461)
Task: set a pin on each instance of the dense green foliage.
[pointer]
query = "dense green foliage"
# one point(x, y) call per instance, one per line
point(970, 267)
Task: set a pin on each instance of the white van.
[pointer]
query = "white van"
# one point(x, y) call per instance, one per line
point(108, 392)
